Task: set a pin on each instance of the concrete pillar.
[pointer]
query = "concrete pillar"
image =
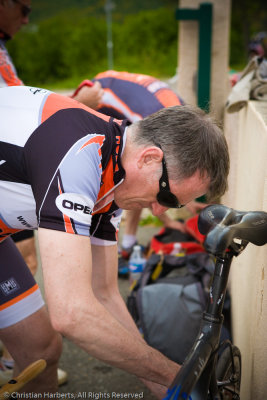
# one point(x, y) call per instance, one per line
point(246, 134)
point(188, 55)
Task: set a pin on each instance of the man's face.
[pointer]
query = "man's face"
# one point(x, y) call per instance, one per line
point(12, 15)
point(136, 194)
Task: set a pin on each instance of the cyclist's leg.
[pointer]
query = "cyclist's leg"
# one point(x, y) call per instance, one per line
point(25, 328)
point(25, 242)
point(132, 218)
point(29, 340)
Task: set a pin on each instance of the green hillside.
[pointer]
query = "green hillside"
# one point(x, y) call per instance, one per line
point(66, 40)
point(72, 44)
point(43, 9)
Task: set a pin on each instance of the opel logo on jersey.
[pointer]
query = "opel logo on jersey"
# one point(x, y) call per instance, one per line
point(75, 206)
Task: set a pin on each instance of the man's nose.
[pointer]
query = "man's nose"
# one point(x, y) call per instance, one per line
point(157, 209)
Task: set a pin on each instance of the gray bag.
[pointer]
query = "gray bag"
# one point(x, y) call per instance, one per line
point(168, 309)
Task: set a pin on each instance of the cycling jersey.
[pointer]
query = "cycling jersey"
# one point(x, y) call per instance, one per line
point(8, 73)
point(134, 96)
point(59, 164)
point(8, 77)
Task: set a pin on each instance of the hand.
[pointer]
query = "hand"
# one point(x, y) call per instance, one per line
point(90, 96)
point(158, 390)
point(171, 223)
point(178, 225)
point(194, 206)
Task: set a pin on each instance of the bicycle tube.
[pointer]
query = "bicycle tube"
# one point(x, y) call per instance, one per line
point(194, 366)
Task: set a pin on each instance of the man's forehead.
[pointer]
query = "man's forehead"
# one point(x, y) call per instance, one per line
point(192, 187)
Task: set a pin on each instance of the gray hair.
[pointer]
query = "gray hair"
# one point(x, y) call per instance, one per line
point(191, 141)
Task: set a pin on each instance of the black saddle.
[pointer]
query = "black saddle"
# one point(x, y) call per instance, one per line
point(223, 225)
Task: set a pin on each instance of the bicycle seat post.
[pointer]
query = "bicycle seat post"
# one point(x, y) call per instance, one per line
point(219, 286)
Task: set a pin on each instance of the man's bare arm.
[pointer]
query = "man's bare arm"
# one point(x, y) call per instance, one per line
point(105, 286)
point(90, 96)
point(78, 314)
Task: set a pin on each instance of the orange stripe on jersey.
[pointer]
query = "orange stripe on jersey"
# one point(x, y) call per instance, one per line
point(6, 230)
point(9, 76)
point(122, 105)
point(68, 224)
point(99, 139)
point(108, 184)
point(118, 141)
point(140, 79)
point(167, 98)
point(56, 102)
point(67, 221)
point(20, 297)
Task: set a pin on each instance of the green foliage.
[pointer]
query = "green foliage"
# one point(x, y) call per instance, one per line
point(147, 42)
point(73, 45)
point(150, 220)
point(64, 47)
point(44, 9)
point(58, 48)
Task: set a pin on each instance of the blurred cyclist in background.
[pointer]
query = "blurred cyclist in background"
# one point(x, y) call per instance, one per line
point(13, 15)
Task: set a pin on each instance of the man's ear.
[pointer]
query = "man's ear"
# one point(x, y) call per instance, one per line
point(149, 156)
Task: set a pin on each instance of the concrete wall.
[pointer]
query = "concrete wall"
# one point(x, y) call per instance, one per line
point(246, 133)
point(188, 55)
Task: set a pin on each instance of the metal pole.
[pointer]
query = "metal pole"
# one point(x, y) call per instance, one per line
point(204, 55)
point(108, 8)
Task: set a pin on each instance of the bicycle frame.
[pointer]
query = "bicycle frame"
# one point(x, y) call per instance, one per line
point(197, 377)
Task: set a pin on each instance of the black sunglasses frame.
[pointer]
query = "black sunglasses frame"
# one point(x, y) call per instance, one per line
point(26, 10)
point(165, 197)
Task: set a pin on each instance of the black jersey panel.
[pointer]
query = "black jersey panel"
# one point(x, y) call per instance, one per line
point(112, 112)
point(50, 142)
point(12, 167)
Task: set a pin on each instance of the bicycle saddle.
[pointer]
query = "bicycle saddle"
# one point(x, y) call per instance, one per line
point(222, 225)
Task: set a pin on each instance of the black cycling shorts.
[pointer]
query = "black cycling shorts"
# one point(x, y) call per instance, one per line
point(20, 295)
point(22, 235)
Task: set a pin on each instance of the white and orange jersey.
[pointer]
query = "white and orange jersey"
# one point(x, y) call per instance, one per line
point(8, 73)
point(134, 96)
point(59, 165)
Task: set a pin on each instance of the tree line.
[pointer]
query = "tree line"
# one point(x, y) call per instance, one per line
point(73, 45)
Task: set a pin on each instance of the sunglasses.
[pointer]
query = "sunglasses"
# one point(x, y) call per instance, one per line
point(165, 197)
point(24, 8)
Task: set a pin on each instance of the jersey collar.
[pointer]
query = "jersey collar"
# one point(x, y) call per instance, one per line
point(4, 36)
